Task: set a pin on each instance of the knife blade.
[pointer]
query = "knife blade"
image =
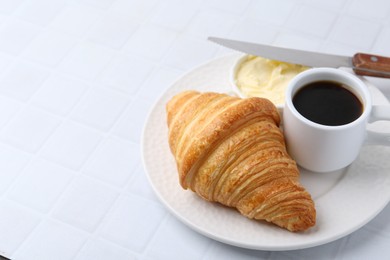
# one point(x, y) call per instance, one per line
point(362, 63)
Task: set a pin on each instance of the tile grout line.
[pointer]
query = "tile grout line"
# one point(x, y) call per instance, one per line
point(153, 237)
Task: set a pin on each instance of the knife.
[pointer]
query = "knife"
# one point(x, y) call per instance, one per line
point(362, 63)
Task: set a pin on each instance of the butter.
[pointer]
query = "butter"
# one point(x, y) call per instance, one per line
point(260, 77)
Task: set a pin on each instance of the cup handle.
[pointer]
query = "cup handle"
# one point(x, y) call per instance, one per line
point(380, 112)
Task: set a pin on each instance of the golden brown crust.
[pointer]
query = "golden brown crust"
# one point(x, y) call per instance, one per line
point(231, 150)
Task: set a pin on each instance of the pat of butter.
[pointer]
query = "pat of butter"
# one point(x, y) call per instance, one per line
point(260, 77)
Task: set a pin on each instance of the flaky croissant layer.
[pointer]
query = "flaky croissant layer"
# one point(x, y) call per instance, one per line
point(231, 150)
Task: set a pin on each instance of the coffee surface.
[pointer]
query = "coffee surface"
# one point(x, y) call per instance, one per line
point(327, 103)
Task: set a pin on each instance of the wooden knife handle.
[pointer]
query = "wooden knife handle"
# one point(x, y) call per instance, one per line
point(371, 65)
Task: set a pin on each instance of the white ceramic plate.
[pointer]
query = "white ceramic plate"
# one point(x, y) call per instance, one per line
point(345, 200)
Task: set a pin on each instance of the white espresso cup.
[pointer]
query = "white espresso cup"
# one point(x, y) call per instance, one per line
point(322, 147)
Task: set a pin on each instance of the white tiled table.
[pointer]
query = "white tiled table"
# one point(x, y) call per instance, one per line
point(77, 79)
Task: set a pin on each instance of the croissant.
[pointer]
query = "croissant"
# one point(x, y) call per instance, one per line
point(232, 151)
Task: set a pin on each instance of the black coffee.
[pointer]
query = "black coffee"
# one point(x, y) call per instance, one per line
point(327, 103)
